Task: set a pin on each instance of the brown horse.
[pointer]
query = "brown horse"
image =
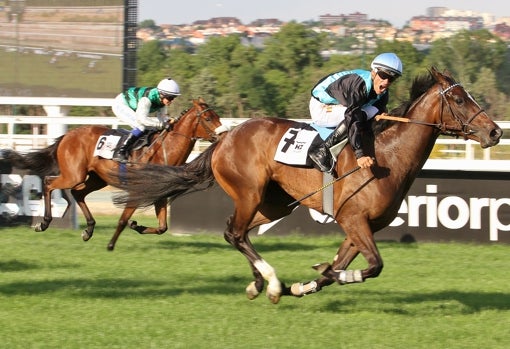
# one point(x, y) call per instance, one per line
point(365, 201)
point(69, 164)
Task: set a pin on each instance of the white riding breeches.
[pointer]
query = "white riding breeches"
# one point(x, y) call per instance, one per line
point(331, 115)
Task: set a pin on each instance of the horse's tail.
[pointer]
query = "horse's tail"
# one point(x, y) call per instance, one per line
point(143, 186)
point(40, 162)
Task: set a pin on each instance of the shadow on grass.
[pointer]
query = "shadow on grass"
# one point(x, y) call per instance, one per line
point(416, 303)
point(399, 303)
point(221, 244)
point(118, 288)
point(15, 265)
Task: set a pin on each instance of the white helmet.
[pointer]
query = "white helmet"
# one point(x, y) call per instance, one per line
point(168, 87)
point(389, 63)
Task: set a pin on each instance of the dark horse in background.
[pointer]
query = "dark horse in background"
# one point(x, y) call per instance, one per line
point(69, 164)
point(365, 201)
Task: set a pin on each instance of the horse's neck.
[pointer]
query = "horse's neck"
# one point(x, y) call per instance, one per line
point(173, 146)
point(414, 141)
point(185, 128)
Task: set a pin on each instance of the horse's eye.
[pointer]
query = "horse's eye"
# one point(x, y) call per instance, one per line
point(459, 100)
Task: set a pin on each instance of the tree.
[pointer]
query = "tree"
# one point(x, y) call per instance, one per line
point(150, 64)
point(284, 59)
point(487, 95)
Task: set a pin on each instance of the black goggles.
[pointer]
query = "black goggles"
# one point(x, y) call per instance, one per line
point(169, 97)
point(386, 76)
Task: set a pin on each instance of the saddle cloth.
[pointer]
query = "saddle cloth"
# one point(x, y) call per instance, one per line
point(295, 143)
point(108, 142)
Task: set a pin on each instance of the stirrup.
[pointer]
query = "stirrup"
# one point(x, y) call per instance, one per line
point(320, 166)
point(121, 157)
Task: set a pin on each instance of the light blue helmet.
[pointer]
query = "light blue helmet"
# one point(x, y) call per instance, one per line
point(388, 62)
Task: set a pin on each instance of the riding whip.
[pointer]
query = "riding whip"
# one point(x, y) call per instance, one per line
point(324, 186)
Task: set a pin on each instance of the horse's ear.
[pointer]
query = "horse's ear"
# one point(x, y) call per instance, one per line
point(435, 73)
point(201, 100)
point(441, 78)
point(448, 74)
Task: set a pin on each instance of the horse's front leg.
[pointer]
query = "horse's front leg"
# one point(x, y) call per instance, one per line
point(121, 224)
point(362, 238)
point(128, 212)
point(160, 208)
point(345, 255)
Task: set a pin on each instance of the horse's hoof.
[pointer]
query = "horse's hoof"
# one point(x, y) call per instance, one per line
point(85, 235)
point(133, 224)
point(274, 291)
point(38, 227)
point(110, 247)
point(300, 289)
point(251, 291)
point(322, 267)
point(273, 298)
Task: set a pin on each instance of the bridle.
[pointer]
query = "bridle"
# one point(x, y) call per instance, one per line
point(464, 126)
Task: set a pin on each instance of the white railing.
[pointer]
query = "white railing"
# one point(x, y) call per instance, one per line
point(467, 151)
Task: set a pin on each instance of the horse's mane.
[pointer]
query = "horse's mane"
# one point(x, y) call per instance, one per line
point(421, 85)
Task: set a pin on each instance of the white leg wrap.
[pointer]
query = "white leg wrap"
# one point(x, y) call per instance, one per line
point(350, 276)
point(300, 289)
point(269, 274)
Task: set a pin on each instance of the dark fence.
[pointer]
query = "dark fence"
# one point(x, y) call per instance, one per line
point(469, 206)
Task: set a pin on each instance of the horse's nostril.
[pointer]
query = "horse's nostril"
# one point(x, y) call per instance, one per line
point(496, 133)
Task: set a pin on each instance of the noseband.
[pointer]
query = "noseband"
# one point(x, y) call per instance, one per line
point(464, 126)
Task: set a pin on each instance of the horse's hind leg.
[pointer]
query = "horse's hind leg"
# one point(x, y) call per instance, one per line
point(47, 218)
point(93, 183)
point(261, 270)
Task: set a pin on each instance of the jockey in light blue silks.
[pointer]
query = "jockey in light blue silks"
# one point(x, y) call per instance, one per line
point(347, 101)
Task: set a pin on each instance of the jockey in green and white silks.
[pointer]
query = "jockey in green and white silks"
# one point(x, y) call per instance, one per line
point(135, 106)
point(347, 101)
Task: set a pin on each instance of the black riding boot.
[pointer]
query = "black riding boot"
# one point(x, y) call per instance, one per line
point(123, 152)
point(321, 155)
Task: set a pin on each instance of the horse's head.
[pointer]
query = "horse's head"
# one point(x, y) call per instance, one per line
point(461, 115)
point(206, 123)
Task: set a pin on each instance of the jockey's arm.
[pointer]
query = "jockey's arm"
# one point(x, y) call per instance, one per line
point(142, 114)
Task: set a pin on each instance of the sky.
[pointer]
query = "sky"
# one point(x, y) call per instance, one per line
point(397, 12)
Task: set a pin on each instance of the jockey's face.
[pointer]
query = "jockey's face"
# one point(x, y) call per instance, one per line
point(382, 80)
point(167, 99)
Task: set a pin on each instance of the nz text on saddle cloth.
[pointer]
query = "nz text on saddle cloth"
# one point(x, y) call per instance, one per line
point(294, 145)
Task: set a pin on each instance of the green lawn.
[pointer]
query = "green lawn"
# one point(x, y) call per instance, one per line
point(69, 76)
point(57, 291)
